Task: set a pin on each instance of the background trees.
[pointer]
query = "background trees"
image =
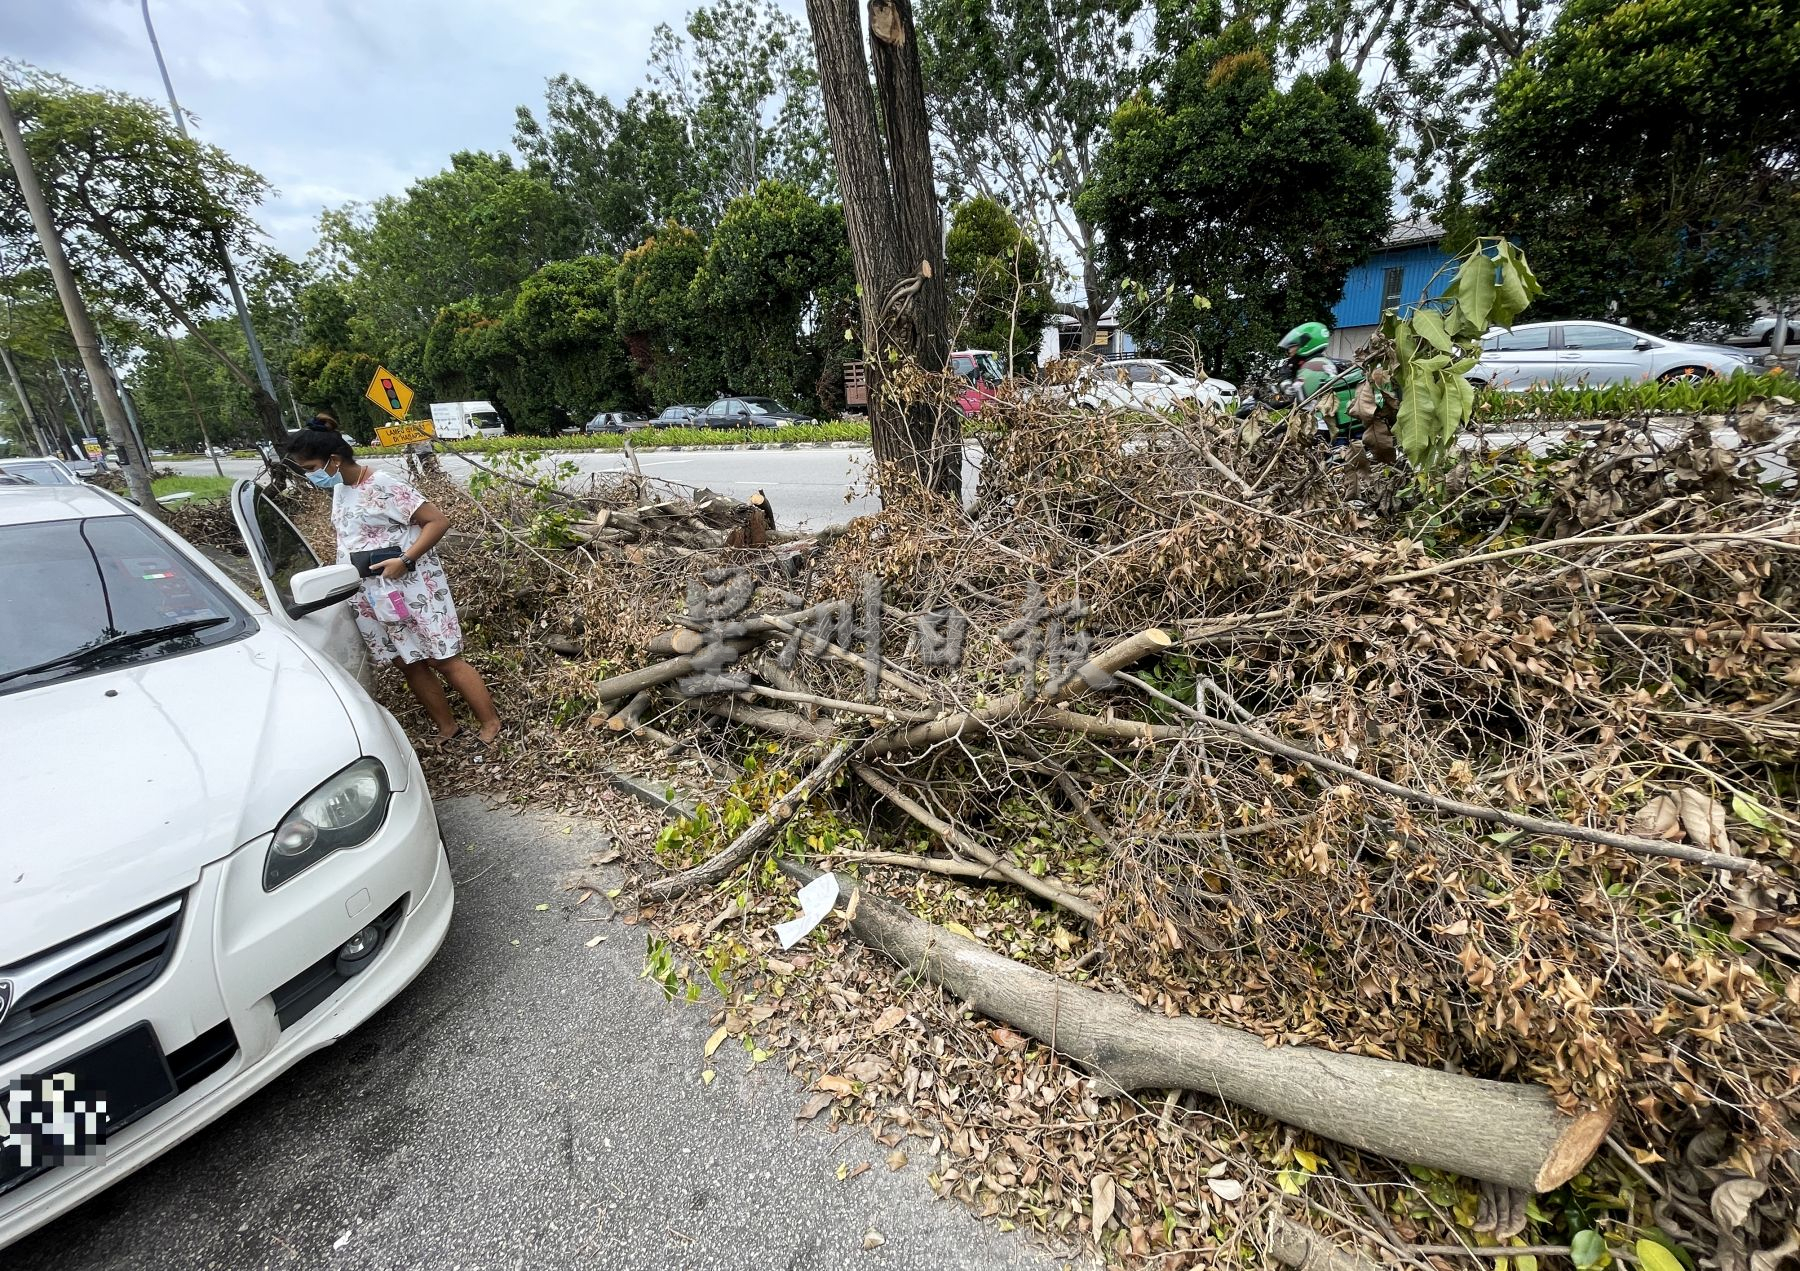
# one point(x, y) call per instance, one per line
point(999, 297)
point(1673, 199)
point(1021, 93)
point(1236, 206)
point(137, 206)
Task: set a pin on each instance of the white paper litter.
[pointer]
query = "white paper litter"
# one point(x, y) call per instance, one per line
point(816, 900)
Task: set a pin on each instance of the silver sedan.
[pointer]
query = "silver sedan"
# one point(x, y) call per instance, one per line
point(1537, 354)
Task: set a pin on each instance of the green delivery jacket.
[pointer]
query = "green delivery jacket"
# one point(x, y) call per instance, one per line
point(1317, 371)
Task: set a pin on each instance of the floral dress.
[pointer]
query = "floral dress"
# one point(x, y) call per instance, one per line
point(377, 513)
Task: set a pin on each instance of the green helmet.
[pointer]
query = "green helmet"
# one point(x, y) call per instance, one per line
point(1306, 339)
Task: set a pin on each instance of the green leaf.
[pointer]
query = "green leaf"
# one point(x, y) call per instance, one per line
point(1749, 811)
point(1587, 1249)
point(1474, 289)
point(1460, 396)
point(1653, 1257)
point(1416, 418)
point(1429, 323)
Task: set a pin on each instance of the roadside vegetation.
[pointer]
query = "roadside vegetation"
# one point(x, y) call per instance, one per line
point(203, 489)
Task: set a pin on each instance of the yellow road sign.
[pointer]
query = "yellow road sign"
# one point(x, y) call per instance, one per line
point(405, 434)
point(389, 393)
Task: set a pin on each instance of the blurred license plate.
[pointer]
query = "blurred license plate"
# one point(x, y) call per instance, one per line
point(64, 1114)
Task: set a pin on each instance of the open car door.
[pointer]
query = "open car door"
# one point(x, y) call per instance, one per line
point(308, 598)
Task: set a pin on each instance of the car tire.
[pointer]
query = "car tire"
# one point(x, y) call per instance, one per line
point(1687, 374)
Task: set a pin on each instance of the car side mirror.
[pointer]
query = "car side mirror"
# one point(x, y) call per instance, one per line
point(1643, 346)
point(321, 588)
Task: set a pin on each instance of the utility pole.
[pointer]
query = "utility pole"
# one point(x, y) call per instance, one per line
point(231, 278)
point(112, 410)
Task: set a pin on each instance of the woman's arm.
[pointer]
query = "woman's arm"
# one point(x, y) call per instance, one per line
point(433, 525)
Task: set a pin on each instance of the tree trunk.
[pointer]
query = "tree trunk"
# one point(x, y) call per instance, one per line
point(1498, 1131)
point(81, 327)
point(896, 239)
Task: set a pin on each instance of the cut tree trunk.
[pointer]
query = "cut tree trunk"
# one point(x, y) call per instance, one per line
point(1498, 1131)
point(896, 245)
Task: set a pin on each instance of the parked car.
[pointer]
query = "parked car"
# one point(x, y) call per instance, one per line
point(1538, 354)
point(611, 421)
point(220, 854)
point(982, 369)
point(50, 471)
point(678, 416)
point(1147, 384)
point(83, 467)
point(749, 412)
point(1761, 332)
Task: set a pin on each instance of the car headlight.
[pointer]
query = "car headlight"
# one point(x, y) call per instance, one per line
point(343, 812)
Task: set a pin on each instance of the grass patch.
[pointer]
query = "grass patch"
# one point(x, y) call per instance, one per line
point(650, 438)
point(204, 489)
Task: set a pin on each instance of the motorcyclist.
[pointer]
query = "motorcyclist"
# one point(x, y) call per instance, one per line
point(1310, 372)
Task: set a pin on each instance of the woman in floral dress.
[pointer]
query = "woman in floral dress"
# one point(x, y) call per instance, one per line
point(404, 611)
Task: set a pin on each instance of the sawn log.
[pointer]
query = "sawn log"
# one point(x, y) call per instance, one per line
point(1499, 1131)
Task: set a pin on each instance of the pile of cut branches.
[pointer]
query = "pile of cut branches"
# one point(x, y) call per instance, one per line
point(1449, 827)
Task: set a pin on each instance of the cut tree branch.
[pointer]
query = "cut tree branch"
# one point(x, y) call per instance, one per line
point(1499, 1131)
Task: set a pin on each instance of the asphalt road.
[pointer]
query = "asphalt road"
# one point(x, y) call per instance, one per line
point(528, 1102)
point(810, 487)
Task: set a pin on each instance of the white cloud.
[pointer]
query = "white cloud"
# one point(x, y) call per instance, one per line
point(340, 99)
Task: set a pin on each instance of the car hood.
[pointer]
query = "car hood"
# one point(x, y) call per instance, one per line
point(123, 785)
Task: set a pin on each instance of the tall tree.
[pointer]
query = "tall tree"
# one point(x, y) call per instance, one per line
point(740, 77)
point(625, 169)
point(1021, 92)
point(999, 296)
point(1648, 155)
point(896, 237)
point(473, 232)
point(140, 209)
point(775, 293)
point(1237, 206)
point(653, 309)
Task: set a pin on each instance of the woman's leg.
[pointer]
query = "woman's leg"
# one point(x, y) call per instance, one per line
point(422, 679)
point(467, 682)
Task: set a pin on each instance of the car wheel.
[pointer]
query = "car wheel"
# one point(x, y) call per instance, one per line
point(1686, 375)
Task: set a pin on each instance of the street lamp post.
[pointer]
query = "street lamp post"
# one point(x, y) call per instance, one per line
point(231, 278)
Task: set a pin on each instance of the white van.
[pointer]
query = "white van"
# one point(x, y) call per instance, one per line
point(457, 421)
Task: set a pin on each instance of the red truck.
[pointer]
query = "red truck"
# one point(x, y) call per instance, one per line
point(979, 367)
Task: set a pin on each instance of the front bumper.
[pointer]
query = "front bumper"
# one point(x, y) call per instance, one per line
point(237, 947)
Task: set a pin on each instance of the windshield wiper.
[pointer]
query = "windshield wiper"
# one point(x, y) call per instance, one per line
point(95, 653)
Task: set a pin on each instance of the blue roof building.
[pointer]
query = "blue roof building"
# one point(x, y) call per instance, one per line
point(1397, 276)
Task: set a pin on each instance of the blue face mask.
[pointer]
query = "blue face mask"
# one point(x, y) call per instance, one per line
point(323, 479)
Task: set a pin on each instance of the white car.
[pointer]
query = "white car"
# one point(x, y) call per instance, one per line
point(1540, 354)
point(46, 471)
point(218, 853)
point(1148, 384)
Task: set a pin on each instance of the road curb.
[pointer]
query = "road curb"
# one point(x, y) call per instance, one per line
point(673, 803)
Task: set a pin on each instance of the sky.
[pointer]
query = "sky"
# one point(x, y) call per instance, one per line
point(334, 100)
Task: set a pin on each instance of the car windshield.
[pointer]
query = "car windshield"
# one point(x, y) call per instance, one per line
point(72, 586)
point(39, 473)
point(977, 368)
point(761, 405)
